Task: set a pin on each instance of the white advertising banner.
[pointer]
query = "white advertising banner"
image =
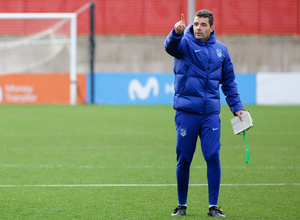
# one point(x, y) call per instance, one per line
point(278, 88)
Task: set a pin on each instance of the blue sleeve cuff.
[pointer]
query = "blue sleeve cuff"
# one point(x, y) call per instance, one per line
point(177, 36)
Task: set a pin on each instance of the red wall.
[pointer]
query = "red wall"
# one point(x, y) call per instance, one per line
point(157, 17)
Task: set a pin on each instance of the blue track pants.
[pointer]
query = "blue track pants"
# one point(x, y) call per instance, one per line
point(189, 127)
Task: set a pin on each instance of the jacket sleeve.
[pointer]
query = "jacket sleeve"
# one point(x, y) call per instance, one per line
point(229, 85)
point(173, 44)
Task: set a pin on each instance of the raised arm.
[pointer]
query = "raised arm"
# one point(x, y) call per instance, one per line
point(172, 43)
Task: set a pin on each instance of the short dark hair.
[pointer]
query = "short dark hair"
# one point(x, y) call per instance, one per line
point(206, 14)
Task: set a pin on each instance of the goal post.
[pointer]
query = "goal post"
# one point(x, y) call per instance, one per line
point(34, 40)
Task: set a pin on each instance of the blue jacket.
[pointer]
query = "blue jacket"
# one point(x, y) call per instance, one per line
point(200, 67)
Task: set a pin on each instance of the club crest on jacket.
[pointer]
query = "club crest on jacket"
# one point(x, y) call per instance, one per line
point(219, 52)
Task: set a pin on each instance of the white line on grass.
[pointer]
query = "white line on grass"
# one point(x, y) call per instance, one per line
point(142, 167)
point(151, 185)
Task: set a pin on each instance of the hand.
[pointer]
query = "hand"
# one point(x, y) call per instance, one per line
point(239, 113)
point(180, 26)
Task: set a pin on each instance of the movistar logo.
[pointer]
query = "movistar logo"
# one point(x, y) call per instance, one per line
point(135, 88)
point(196, 51)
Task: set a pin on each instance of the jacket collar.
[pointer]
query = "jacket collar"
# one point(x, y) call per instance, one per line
point(189, 33)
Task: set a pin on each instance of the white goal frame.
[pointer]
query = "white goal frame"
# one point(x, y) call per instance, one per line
point(73, 41)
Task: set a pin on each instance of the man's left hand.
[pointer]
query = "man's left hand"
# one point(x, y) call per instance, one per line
point(239, 113)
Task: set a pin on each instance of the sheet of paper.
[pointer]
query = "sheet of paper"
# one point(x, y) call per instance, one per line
point(240, 126)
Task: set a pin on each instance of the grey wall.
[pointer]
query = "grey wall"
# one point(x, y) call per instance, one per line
point(147, 54)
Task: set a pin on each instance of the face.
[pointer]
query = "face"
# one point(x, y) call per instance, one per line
point(202, 29)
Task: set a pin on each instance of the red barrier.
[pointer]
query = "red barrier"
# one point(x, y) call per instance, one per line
point(254, 17)
point(157, 17)
point(40, 89)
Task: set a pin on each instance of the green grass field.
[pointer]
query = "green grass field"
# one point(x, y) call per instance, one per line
point(118, 162)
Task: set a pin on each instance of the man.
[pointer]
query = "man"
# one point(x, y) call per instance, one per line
point(201, 63)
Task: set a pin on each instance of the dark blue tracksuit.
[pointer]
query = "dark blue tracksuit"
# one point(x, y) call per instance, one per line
point(200, 67)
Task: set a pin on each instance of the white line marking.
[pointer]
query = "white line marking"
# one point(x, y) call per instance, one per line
point(144, 167)
point(150, 185)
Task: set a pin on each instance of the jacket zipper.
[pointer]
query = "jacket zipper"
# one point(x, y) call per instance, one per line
point(207, 78)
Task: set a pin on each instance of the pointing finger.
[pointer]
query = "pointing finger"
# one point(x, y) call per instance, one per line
point(182, 18)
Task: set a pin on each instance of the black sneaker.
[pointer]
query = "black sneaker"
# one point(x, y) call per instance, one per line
point(214, 211)
point(179, 211)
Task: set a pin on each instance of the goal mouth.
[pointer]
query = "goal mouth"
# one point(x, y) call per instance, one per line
point(39, 43)
point(27, 53)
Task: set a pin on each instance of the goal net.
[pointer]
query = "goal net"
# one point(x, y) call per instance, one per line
point(39, 43)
